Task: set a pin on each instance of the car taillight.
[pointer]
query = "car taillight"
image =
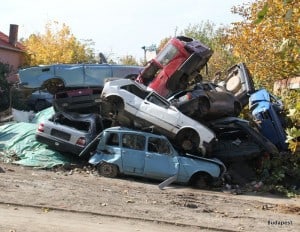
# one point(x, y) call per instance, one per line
point(81, 141)
point(185, 97)
point(41, 127)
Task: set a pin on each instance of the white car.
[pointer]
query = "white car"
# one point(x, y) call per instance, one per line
point(133, 105)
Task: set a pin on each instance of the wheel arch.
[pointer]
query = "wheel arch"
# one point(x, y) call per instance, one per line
point(110, 100)
point(187, 128)
point(201, 174)
point(203, 98)
point(53, 84)
point(184, 134)
point(113, 97)
point(102, 162)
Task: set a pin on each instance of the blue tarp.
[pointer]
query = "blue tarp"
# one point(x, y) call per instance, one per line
point(18, 139)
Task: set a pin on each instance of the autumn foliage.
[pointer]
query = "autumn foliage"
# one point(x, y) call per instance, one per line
point(268, 39)
point(57, 45)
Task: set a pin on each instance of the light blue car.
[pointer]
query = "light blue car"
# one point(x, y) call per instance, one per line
point(130, 152)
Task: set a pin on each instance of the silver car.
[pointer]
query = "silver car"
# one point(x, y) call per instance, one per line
point(133, 105)
point(69, 132)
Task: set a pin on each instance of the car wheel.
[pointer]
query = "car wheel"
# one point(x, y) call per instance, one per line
point(188, 140)
point(201, 180)
point(40, 105)
point(108, 170)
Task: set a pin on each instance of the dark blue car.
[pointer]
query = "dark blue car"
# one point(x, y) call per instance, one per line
point(266, 110)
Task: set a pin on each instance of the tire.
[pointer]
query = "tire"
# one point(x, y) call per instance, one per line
point(108, 170)
point(201, 180)
point(188, 140)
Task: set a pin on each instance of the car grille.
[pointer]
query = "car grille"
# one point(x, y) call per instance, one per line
point(60, 134)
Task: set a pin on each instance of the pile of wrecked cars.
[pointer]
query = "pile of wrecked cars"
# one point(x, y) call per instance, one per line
point(165, 122)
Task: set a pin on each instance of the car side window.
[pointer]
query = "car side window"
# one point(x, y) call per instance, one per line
point(157, 101)
point(158, 145)
point(113, 139)
point(133, 141)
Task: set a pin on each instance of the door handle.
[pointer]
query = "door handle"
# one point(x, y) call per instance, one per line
point(147, 103)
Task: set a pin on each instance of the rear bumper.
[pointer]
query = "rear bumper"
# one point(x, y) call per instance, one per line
point(59, 145)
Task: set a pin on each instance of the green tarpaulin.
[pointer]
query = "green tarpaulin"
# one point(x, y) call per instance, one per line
point(18, 139)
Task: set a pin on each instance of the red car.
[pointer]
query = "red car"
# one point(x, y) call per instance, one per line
point(176, 64)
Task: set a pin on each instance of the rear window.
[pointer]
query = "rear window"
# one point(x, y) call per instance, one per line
point(79, 125)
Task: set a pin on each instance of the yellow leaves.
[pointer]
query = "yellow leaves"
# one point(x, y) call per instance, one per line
point(56, 45)
point(269, 39)
point(128, 60)
point(262, 13)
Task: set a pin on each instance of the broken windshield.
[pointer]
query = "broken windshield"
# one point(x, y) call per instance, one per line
point(167, 54)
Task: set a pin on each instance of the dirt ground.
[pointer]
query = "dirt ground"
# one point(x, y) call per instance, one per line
point(81, 200)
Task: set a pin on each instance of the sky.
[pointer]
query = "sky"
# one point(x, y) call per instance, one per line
point(117, 27)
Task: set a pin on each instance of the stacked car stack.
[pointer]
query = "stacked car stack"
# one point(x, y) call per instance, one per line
point(169, 112)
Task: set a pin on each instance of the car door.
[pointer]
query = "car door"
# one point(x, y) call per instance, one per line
point(134, 96)
point(94, 75)
point(133, 153)
point(159, 112)
point(160, 162)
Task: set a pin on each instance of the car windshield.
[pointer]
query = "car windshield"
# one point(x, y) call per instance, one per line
point(167, 54)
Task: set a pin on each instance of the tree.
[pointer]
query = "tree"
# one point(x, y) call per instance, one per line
point(5, 69)
point(128, 60)
point(268, 39)
point(58, 45)
point(162, 43)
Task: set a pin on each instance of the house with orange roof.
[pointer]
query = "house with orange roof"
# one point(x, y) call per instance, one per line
point(12, 52)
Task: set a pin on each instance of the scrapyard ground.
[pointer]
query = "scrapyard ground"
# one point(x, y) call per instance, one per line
point(81, 200)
